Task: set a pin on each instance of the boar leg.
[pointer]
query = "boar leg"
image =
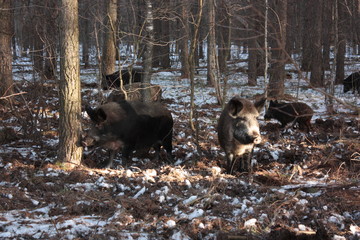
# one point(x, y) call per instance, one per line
point(248, 159)
point(108, 163)
point(157, 147)
point(231, 160)
point(167, 144)
point(126, 154)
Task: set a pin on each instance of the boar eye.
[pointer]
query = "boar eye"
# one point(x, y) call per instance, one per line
point(240, 119)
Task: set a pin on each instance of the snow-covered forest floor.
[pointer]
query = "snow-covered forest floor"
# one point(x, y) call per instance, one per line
point(305, 186)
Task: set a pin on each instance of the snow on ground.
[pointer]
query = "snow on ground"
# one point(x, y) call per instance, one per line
point(301, 181)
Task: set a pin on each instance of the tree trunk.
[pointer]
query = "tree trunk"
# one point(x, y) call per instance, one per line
point(278, 44)
point(256, 53)
point(84, 37)
point(341, 44)
point(224, 34)
point(161, 51)
point(326, 33)
point(193, 46)
point(70, 151)
point(307, 29)
point(50, 40)
point(184, 54)
point(213, 77)
point(109, 48)
point(38, 37)
point(149, 26)
point(6, 33)
point(316, 78)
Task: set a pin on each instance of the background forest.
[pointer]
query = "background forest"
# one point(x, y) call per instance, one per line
point(54, 55)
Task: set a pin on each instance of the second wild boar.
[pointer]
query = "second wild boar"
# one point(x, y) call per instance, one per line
point(296, 112)
point(130, 126)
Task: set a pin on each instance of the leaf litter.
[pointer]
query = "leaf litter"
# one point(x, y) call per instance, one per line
point(304, 185)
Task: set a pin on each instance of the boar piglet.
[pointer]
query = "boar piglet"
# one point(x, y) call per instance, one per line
point(130, 126)
point(238, 131)
point(352, 82)
point(296, 112)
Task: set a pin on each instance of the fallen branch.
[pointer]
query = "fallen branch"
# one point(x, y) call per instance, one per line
point(12, 95)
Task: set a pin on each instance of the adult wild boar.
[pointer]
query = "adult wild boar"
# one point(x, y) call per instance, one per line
point(238, 130)
point(134, 92)
point(296, 112)
point(352, 82)
point(126, 75)
point(130, 126)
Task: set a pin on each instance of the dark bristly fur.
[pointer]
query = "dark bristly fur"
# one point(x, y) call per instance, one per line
point(296, 112)
point(113, 80)
point(130, 126)
point(352, 82)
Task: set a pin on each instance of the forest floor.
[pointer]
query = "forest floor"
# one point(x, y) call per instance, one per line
point(304, 186)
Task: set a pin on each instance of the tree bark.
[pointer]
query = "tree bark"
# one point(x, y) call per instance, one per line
point(109, 48)
point(70, 151)
point(6, 33)
point(50, 64)
point(307, 29)
point(326, 32)
point(316, 77)
point(149, 26)
point(213, 75)
point(341, 44)
point(184, 54)
point(256, 59)
point(85, 33)
point(224, 35)
point(277, 66)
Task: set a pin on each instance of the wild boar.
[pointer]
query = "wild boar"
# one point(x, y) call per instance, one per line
point(296, 112)
point(133, 92)
point(238, 130)
point(130, 126)
point(127, 74)
point(352, 82)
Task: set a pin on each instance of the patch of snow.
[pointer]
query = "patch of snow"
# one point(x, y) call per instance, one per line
point(250, 223)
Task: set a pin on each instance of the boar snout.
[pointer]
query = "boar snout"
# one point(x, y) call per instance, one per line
point(257, 139)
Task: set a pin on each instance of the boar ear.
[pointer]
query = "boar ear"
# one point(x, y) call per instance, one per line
point(259, 104)
point(91, 112)
point(96, 116)
point(235, 106)
point(101, 115)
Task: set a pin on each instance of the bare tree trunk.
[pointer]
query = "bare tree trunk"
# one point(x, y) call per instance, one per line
point(37, 37)
point(161, 51)
point(341, 44)
point(109, 48)
point(193, 46)
point(70, 151)
point(213, 75)
point(316, 78)
point(224, 35)
point(326, 33)
point(84, 37)
point(149, 26)
point(256, 53)
point(184, 54)
point(6, 33)
point(277, 66)
point(306, 31)
point(50, 41)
